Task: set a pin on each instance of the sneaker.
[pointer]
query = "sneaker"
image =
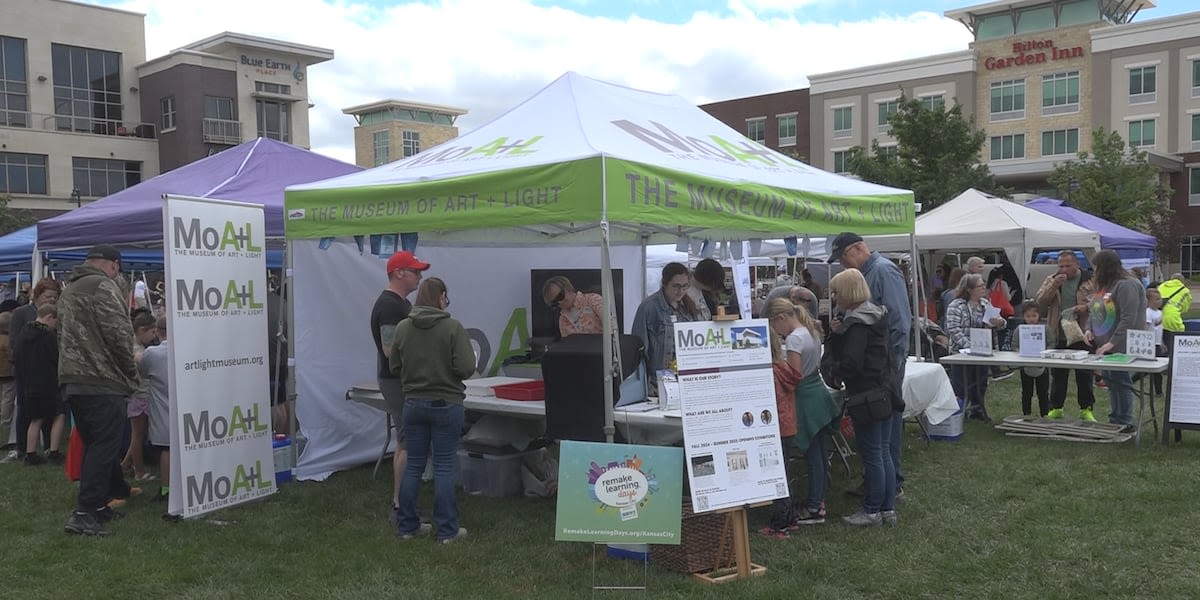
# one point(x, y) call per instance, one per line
point(422, 530)
point(889, 518)
point(864, 519)
point(770, 532)
point(82, 523)
point(805, 516)
point(32, 459)
point(1128, 428)
point(462, 533)
point(55, 458)
point(10, 458)
point(1055, 413)
point(107, 514)
point(1085, 414)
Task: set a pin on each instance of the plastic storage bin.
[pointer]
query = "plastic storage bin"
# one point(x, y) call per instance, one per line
point(949, 430)
point(494, 475)
point(282, 449)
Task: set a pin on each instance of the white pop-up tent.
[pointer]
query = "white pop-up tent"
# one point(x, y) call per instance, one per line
point(582, 163)
point(975, 220)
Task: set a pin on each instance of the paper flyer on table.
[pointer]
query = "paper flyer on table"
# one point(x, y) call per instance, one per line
point(730, 427)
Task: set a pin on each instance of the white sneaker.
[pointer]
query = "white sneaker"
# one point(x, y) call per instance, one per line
point(10, 458)
point(864, 519)
point(422, 530)
point(462, 533)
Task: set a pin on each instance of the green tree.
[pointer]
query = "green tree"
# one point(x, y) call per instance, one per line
point(938, 155)
point(1114, 182)
point(12, 219)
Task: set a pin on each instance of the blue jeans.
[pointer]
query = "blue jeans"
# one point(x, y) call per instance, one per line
point(818, 471)
point(1120, 395)
point(437, 425)
point(898, 428)
point(879, 475)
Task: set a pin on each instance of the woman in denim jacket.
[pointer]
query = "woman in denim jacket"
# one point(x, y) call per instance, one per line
point(654, 316)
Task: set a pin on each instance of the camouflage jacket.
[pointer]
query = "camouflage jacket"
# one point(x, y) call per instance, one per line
point(95, 331)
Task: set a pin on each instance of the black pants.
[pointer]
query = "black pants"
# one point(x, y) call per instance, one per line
point(21, 419)
point(1083, 387)
point(1040, 384)
point(101, 421)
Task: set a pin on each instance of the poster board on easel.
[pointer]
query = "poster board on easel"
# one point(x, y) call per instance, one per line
point(1181, 409)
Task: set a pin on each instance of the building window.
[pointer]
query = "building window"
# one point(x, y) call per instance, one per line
point(1196, 78)
point(1141, 133)
point(936, 102)
point(1196, 132)
point(1142, 85)
point(841, 161)
point(843, 121)
point(14, 87)
point(1078, 13)
point(216, 107)
point(787, 129)
point(166, 107)
point(1189, 254)
point(1194, 189)
point(272, 88)
point(1008, 100)
point(100, 177)
point(1060, 93)
point(1061, 141)
point(1006, 147)
point(22, 173)
point(1035, 19)
point(87, 89)
point(219, 126)
point(412, 143)
point(274, 119)
point(994, 26)
point(382, 149)
point(756, 129)
point(886, 110)
point(889, 152)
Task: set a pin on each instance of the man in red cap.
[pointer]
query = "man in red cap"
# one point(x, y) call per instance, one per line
point(404, 276)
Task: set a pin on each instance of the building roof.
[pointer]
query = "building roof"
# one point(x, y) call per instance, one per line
point(227, 39)
point(378, 105)
point(938, 65)
point(102, 7)
point(970, 13)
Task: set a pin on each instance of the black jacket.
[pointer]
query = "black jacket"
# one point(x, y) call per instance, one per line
point(36, 361)
point(857, 354)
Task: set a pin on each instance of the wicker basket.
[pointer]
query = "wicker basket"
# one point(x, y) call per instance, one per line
point(704, 544)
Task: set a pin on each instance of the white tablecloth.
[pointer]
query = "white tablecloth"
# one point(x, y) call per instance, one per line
point(927, 391)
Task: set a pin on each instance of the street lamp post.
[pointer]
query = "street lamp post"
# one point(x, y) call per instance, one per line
point(77, 197)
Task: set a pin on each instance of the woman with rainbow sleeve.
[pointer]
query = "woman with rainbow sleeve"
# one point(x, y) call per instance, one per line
point(1117, 305)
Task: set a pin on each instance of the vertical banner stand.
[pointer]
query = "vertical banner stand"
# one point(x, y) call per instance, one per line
point(737, 532)
point(1182, 387)
point(620, 588)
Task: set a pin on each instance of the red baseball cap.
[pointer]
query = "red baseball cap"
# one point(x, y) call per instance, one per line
point(405, 260)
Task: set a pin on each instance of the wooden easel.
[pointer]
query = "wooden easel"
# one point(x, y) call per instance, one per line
point(737, 532)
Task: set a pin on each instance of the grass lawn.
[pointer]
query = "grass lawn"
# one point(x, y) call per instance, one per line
point(986, 517)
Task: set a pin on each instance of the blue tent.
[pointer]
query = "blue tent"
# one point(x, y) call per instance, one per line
point(1134, 248)
point(16, 249)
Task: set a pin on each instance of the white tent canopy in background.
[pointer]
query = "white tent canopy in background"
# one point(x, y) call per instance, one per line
point(975, 220)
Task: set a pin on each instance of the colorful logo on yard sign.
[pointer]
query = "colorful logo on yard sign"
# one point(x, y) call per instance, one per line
point(621, 485)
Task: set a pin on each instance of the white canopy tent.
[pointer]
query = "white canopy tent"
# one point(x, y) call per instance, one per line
point(975, 220)
point(584, 163)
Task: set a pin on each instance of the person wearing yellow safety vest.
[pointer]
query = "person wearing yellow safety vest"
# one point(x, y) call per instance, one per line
point(1176, 300)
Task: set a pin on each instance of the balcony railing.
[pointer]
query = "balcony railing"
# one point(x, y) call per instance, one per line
point(76, 124)
point(222, 131)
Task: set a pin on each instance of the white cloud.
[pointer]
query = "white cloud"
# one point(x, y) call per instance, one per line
point(486, 56)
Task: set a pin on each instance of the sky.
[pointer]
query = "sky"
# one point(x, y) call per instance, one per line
point(487, 56)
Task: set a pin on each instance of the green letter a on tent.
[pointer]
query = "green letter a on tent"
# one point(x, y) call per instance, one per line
point(515, 326)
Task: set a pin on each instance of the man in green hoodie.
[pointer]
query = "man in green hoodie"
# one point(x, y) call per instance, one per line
point(97, 372)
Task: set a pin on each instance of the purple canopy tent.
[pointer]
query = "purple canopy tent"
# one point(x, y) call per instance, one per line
point(256, 172)
point(1134, 248)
